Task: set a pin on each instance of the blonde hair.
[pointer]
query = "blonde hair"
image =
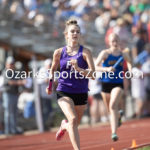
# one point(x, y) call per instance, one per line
point(114, 35)
point(69, 23)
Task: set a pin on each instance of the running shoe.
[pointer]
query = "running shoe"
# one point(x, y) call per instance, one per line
point(121, 112)
point(114, 137)
point(60, 133)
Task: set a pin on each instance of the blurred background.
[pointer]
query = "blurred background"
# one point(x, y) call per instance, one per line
point(30, 31)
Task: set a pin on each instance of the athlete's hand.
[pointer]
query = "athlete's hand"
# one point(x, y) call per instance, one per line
point(74, 63)
point(110, 69)
point(48, 91)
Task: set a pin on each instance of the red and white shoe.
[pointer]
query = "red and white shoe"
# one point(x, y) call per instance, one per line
point(60, 133)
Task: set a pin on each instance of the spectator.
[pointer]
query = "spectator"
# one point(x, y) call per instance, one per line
point(139, 43)
point(1, 107)
point(10, 96)
point(17, 10)
point(136, 6)
point(146, 70)
point(122, 32)
point(101, 22)
point(137, 90)
point(46, 99)
point(144, 55)
point(26, 103)
point(26, 100)
point(148, 29)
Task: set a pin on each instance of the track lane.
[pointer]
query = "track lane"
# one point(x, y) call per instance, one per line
point(92, 138)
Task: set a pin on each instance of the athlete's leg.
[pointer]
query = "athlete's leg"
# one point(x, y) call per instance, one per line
point(94, 111)
point(115, 96)
point(106, 99)
point(103, 111)
point(79, 111)
point(67, 106)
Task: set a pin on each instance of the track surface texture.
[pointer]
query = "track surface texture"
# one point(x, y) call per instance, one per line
point(92, 138)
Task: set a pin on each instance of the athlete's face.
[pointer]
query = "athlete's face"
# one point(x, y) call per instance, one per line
point(73, 33)
point(114, 41)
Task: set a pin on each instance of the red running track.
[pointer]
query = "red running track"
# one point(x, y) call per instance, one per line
point(92, 138)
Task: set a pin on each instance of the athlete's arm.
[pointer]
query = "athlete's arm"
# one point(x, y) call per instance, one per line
point(101, 57)
point(55, 63)
point(128, 59)
point(87, 56)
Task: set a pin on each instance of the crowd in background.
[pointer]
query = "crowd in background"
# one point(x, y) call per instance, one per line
point(130, 19)
point(18, 97)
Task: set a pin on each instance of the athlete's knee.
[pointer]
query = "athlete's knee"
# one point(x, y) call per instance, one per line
point(112, 106)
point(117, 90)
point(73, 121)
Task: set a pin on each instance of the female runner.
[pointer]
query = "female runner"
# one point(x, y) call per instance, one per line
point(72, 91)
point(112, 80)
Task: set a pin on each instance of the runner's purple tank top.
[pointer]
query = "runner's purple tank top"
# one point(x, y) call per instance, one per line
point(69, 81)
